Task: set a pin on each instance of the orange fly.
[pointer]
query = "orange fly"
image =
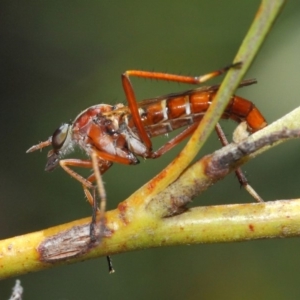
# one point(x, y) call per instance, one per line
point(118, 133)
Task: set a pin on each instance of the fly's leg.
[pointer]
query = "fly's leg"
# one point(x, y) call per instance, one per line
point(86, 183)
point(175, 141)
point(93, 201)
point(87, 186)
point(100, 163)
point(238, 172)
point(186, 133)
point(101, 190)
point(93, 235)
point(103, 201)
point(131, 99)
point(180, 78)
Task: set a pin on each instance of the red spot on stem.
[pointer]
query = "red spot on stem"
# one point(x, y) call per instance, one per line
point(251, 227)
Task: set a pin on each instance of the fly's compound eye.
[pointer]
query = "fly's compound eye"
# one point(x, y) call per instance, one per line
point(60, 136)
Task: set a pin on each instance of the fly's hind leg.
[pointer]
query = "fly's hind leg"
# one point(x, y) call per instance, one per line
point(131, 98)
point(238, 172)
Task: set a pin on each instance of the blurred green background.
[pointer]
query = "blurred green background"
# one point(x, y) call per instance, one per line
point(59, 57)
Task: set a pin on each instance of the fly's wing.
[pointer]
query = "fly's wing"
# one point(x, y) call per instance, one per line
point(123, 110)
point(201, 89)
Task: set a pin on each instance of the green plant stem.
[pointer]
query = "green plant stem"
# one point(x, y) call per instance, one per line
point(213, 224)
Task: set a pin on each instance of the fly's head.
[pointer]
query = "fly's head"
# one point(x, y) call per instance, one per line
point(61, 142)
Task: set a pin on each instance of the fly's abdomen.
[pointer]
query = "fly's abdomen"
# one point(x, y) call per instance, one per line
point(172, 113)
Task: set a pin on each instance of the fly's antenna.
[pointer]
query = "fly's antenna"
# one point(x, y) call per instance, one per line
point(40, 145)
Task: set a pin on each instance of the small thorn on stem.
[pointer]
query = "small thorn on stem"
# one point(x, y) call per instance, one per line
point(110, 266)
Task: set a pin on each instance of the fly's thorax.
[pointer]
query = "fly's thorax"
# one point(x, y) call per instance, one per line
point(86, 116)
point(88, 126)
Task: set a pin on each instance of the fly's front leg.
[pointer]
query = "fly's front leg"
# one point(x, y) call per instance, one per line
point(87, 186)
point(92, 200)
point(66, 163)
point(102, 194)
point(86, 183)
